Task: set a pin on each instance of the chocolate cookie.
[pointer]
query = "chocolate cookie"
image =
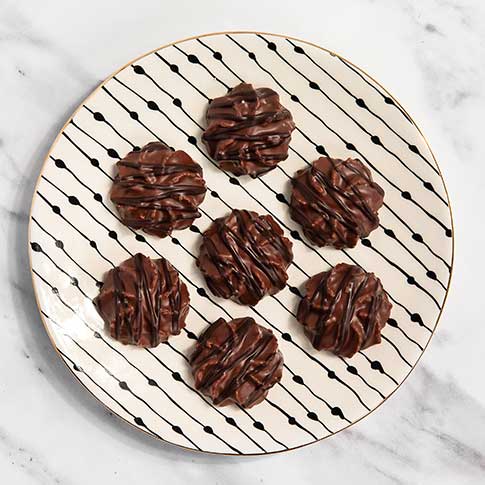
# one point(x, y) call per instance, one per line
point(344, 310)
point(143, 301)
point(336, 202)
point(236, 361)
point(244, 256)
point(248, 130)
point(158, 189)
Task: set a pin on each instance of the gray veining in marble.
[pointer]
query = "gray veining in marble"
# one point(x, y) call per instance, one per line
point(430, 54)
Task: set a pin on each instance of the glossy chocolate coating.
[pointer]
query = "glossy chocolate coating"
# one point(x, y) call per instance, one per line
point(344, 310)
point(158, 189)
point(336, 202)
point(248, 130)
point(236, 362)
point(143, 301)
point(244, 256)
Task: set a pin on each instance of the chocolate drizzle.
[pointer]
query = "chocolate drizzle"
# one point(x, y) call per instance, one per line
point(244, 256)
point(344, 310)
point(143, 301)
point(236, 361)
point(336, 202)
point(248, 130)
point(158, 189)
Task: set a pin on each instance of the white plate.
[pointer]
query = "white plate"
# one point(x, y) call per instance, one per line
point(76, 237)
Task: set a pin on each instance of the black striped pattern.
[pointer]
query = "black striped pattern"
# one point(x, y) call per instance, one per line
point(76, 236)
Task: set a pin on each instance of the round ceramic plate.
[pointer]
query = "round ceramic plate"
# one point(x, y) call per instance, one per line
point(76, 236)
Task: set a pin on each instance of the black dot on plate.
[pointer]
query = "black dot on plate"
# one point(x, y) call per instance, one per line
point(389, 232)
point(151, 382)
point(448, 233)
point(417, 237)
point(98, 197)
point(286, 336)
point(73, 200)
point(258, 425)
point(427, 185)
point(431, 274)
point(191, 335)
point(194, 229)
point(193, 59)
point(291, 420)
point(298, 49)
point(97, 335)
point(350, 146)
point(252, 55)
point(413, 148)
point(214, 194)
point(123, 385)
point(392, 322)
point(406, 195)
point(271, 46)
point(113, 235)
point(313, 85)
point(140, 238)
point(331, 374)
point(177, 376)
point(234, 181)
point(376, 140)
point(416, 317)
point(139, 421)
point(201, 292)
point(99, 284)
point(55, 290)
point(295, 98)
point(411, 280)
point(56, 209)
point(295, 235)
point(295, 291)
point(174, 68)
point(98, 116)
point(217, 55)
point(376, 365)
point(93, 244)
point(113, 153)
point(320, 149)
point(139, 69)
point(352, 370)
point(35, 247)
point(177, 102)
point(177, 429)
point(59, 244)
point(175, 241)
point(192, 140)
point(230, 421)
point(313, 416)
point(366, 243)
point(388, 100)
point(77, 368)
point(152, 105)
point(360, 102)
point(133, 115)
point(74, 281)
point(336, 411)
point(281, 198)
point(298, 379)
point(59, 163)
point(136, 148)
point(94, 162)
point(208, 429)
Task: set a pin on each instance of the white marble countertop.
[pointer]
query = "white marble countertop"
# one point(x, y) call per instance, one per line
point(430, 54)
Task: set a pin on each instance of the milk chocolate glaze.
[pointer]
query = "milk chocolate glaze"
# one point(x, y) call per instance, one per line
point(236, 362)
point(248, 130)
point(158, 189)
point(344, 310)
point(143, 302)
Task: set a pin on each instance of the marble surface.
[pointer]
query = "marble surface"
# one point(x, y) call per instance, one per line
point(429, 54)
